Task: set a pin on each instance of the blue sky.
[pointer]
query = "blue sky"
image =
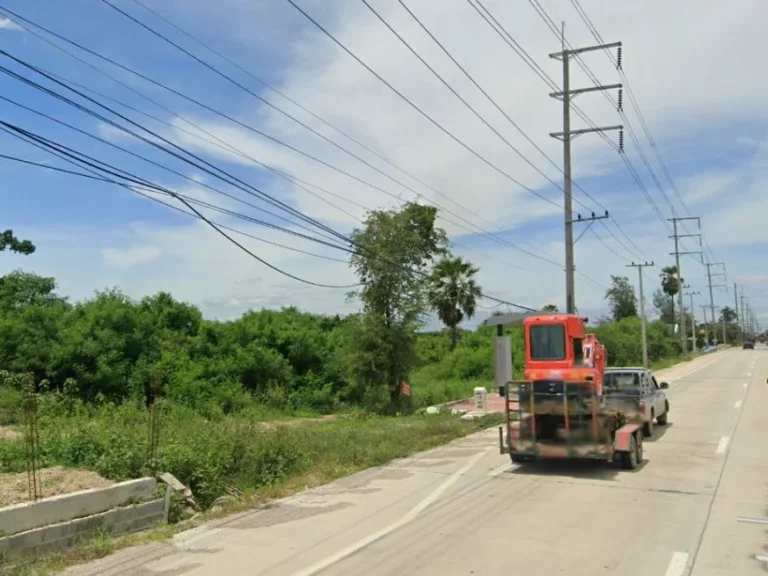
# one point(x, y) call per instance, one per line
point(700, 99)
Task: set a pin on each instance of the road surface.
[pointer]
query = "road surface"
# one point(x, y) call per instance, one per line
point(465, 509)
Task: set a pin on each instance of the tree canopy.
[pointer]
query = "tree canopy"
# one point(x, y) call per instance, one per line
point(621, 296)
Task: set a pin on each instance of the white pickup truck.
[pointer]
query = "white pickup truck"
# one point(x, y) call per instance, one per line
point(635, 393)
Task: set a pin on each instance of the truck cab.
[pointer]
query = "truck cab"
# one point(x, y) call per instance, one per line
point(558, 349)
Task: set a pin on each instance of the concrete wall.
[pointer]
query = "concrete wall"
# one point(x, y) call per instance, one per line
point(58, 522)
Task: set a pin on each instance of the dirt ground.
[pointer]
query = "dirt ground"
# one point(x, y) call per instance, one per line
point(7, 433)
point(14, 488)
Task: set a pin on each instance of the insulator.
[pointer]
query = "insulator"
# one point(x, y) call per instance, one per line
point(618, 58)
point(621, 141)
point(621, 99)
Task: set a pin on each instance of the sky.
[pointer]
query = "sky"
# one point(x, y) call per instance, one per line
point(299, 119)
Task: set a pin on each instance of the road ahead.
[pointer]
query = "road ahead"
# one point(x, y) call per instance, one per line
point(465, 509)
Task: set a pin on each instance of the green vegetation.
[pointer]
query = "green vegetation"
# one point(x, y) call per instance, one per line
point(274, 395)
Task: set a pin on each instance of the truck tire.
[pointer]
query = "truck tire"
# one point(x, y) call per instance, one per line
point(662, 419)
point(629, 459)
point(648, 426)
point(518, 459)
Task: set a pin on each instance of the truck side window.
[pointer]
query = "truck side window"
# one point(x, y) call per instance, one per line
point(578, 351)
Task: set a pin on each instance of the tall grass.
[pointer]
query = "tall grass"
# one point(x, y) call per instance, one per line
point(212, 456)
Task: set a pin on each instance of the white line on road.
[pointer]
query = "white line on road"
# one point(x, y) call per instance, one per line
point(677, 564)
point(409, 517)
point(745, 385)
point(761, 558)
point(723, 444)
point(737, 404)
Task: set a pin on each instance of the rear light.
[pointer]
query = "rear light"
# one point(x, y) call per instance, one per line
point(642, 406)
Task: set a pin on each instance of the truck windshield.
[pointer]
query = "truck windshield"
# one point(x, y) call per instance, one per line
point(621, 380)
point(547, 342)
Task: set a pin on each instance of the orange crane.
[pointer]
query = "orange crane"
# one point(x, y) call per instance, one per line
point(561, 410)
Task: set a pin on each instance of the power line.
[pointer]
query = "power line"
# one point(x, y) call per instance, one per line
point(508, 39)
point(72, 155)
point(232, 240)
point(501, 110)
point(246, 126)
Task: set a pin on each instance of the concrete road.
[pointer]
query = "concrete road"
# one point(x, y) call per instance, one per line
point(697, 505)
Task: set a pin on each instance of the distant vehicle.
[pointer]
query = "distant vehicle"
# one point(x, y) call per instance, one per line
point(635, 393)
point(749, 345)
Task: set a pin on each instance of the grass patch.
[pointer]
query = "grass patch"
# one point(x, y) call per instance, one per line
point(216, 456)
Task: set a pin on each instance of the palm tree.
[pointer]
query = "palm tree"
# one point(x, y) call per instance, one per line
point(669, 283)
point(453, 292)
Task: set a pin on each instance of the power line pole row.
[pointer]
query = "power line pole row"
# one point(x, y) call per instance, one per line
point(693, 318)
point(642, 308)
point(711, 297)
point(566, 136)
point(706, 327)
point(677, 255)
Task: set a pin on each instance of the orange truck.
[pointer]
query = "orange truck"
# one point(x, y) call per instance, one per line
point(559, 410)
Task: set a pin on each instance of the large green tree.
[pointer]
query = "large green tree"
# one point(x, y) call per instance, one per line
point(665, 306)
point(394, 251)
point(9, 242)
point(622, 297)
point(453, 292)
point(670, 285)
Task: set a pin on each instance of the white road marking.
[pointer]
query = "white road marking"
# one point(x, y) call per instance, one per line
point(745, 385)
point(752, 520)
point(761, 558)
point(409, 517)
point(721, 447)
point(737, 404)
point(677, 564)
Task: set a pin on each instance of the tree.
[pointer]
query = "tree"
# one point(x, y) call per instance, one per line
point(727, 314)
point(669, 284)
point(549, 308)
point(453, 292)
point(9, 242)
point(665, 305)
point(394, 251)
point(622, 297)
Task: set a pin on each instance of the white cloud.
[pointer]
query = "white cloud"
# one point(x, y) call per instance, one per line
point(127, 258)
point(682, 86)
point(8, 24)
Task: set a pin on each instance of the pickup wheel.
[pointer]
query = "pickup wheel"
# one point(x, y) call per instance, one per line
point(517, 459)
point(648, 426)
point(662, 419)
point(629, 459)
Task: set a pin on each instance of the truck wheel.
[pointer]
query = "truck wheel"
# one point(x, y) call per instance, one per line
point(629, 458)
point(662, 420)
point(648, 426)
point(517, 459)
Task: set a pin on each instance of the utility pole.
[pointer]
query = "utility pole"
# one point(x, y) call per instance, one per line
point(642, 308)
point(566, 136)
point(677, 255)
point(711, 297)
point(743, 318)
point(693, 319)
point(706, 328)
point(736, 308)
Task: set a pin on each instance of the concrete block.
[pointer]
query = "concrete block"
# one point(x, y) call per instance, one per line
point(64, 534)
point(23, 517)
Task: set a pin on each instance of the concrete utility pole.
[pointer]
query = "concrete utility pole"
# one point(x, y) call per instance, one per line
point(693, 319)
point(711, 297)
point(642, 308)
point(736, 306)
point(677, 255)
point(706, 327)
point(743, 319)
point(566, 136)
